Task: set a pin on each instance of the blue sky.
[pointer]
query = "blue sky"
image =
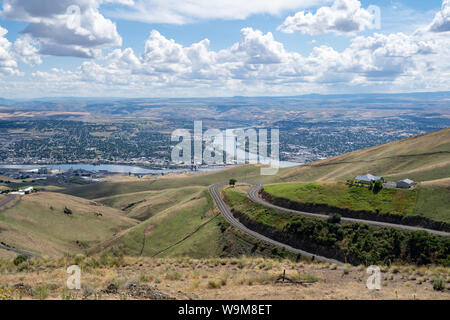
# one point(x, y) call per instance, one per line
point(255, 47)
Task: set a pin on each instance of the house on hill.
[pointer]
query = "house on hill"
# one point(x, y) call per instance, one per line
point(27, 190)
point(368, 179)
point(405, 184)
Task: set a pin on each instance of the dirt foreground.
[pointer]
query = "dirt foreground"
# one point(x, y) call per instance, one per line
point(221, 279)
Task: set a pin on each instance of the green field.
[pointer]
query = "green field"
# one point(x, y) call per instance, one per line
point(433, 202)
point(426, 201)
point(340, 195)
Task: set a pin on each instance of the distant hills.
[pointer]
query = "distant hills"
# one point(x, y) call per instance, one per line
point(421, 158)
point(381, 95)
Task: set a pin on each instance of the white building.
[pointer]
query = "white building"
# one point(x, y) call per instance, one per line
point(20, 193)
point(368, 179)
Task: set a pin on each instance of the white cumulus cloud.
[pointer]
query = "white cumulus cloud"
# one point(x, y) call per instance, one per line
point(182, 11)
point(344, 16)
point(441, 22)
point(8, 65)
point(65, 27)
point(27, 51)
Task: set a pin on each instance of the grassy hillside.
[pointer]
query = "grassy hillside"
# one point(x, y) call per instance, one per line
point(37, 223)
point(169, 226)
point(189, 227)
point(143, 205)
point(433, 202)
point(170, 208)
point(421, 158)
point(108, 189)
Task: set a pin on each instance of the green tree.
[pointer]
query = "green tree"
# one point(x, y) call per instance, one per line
point(377, 187)
point(233, 182)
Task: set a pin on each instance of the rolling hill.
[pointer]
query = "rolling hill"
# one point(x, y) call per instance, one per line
point(421, 158)
point(37, 223)
point(174, 215)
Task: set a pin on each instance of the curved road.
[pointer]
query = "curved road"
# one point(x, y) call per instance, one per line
point(254, 196)
point(9, 198)
point(234, 222)
point(3, 247)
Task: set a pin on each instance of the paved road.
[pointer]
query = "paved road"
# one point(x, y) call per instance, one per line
point(254, 196)
point(234, 222)
point(9, 198)
point(3, 247)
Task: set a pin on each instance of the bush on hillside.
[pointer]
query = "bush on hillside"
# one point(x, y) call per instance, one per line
point(20, 258)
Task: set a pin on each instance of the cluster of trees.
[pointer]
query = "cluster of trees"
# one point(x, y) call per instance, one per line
point(375, 186)
point(366, 245)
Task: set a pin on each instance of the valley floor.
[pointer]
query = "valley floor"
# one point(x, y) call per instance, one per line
point(221, 279)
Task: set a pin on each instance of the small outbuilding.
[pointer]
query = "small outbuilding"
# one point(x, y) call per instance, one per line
point(405, 184)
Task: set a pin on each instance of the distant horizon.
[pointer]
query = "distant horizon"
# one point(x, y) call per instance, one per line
point(228, 97)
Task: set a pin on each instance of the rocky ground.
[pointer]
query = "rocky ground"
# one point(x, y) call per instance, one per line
point(224, 279)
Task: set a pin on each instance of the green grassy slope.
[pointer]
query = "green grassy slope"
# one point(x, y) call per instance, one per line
point(433, 202)
point(191, 227)
point(340, 195)
point(169, 226)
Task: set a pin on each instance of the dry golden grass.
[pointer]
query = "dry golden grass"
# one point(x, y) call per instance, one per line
point(438, 183)
point(224, 279)
point(37, 223)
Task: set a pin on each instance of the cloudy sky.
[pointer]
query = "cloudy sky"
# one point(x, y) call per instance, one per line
point(198, 48)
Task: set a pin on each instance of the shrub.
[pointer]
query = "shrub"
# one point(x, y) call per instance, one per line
point(41, 292)
point(196, 284)
point(213, 284)
point(20, 258)
point(335, 218)
point(346, 270)
point(173, 275)
point(439, 284)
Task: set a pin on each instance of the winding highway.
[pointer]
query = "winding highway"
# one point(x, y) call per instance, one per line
point(214, 189)
point(3, 247)
point(9, 198)
point(253, 194)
